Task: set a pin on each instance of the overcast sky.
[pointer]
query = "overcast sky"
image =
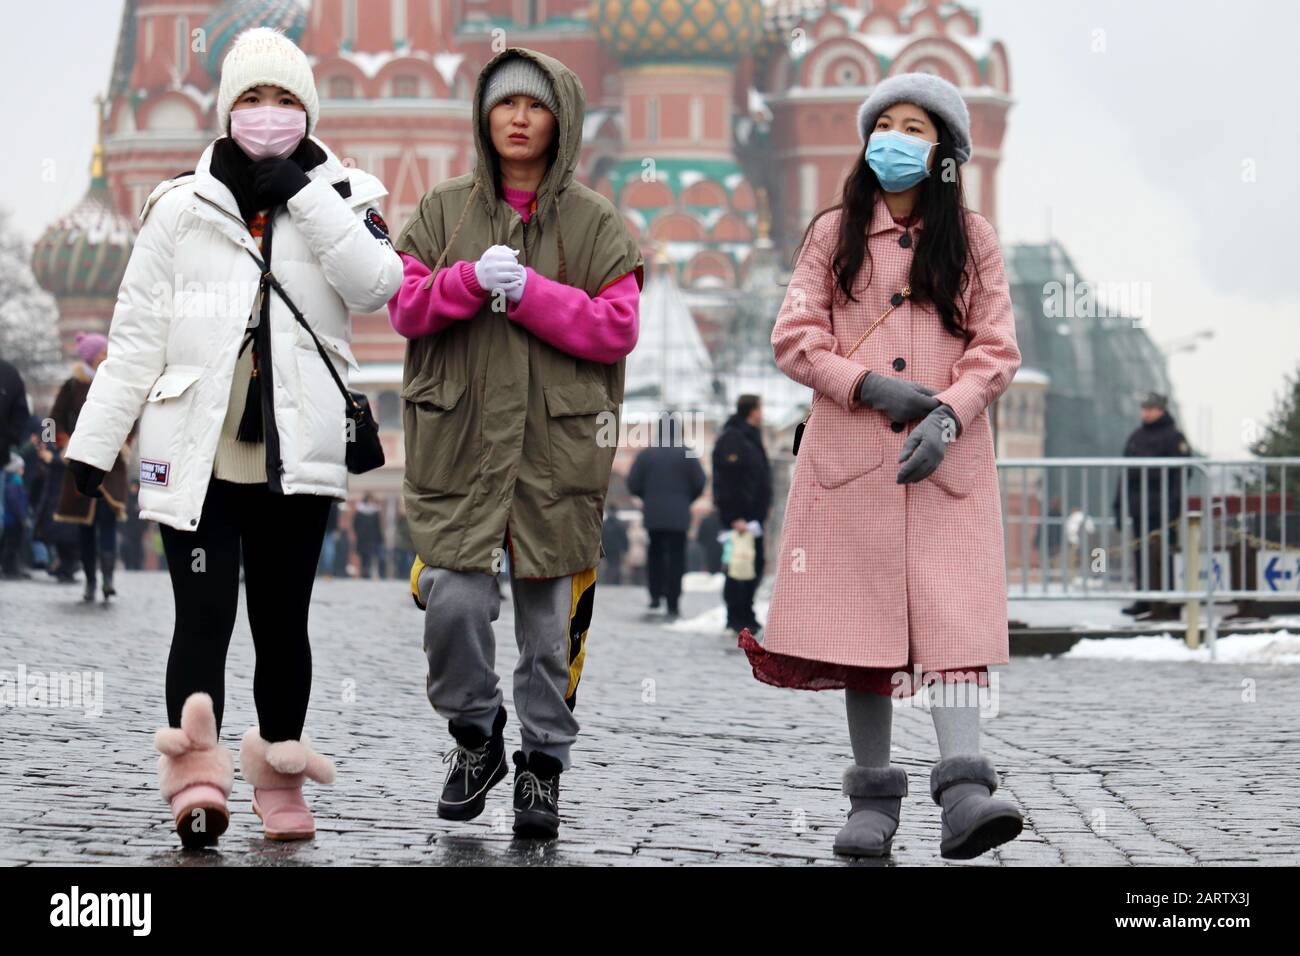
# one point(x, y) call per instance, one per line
point(1158, 133)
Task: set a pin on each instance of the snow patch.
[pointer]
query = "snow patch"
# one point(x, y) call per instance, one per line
point(1277, 647)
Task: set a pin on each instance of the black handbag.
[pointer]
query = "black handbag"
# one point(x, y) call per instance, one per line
point(365, 452)
point(906, 293)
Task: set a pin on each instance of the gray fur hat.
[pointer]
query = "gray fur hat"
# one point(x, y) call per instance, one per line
point(517, 76)
point(926, 90)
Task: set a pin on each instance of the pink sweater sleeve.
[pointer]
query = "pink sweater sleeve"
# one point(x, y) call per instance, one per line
point(420, 308)
point(603, 329)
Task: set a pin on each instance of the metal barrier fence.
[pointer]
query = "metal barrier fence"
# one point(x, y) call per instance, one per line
point(1193, 530)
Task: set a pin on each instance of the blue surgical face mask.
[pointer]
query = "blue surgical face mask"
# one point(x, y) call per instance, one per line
point(898, 160)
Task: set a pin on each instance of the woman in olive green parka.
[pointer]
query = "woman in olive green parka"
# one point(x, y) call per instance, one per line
point(520, 304)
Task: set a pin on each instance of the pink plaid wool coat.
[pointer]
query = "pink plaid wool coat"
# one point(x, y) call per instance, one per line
point(871, 573)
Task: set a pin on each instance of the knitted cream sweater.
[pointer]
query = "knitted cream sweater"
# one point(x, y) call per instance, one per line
point(239, 461)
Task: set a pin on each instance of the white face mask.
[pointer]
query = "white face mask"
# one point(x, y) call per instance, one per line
point(268, 132)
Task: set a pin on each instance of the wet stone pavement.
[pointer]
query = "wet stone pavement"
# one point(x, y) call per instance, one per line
point(683, 758)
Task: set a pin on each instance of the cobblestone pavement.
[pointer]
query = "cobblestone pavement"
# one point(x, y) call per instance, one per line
point(683, 759)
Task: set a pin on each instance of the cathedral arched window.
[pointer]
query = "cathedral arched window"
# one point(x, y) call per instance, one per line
point(340, 88)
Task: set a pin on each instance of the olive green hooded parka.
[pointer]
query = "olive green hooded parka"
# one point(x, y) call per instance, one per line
point(501, 427)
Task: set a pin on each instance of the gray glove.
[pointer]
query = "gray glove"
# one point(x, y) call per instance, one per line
point(924, 449)
point(900, 398)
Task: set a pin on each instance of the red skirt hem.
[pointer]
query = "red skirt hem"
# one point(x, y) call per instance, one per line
point(802, 673)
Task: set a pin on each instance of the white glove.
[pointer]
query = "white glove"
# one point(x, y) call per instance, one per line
point(516, 292)
point(497, 268)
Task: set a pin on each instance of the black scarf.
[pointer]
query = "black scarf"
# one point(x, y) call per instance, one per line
point(231, 165)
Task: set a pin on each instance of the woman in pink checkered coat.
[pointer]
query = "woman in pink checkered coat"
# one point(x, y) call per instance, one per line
point(890, 574)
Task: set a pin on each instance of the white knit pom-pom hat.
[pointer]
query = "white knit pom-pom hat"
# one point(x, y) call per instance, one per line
point(265, 56)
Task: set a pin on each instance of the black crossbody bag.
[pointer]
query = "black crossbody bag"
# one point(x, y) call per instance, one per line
point(365, 452)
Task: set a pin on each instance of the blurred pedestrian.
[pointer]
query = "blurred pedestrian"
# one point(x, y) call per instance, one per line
point(710, 547)
point(667, 477)
point(13, 412)
point(742, 494)
point(367, 526)
point(133, 531)
point(613, 538)
point(94, 510)
point(1153, 515)
point(13, 519)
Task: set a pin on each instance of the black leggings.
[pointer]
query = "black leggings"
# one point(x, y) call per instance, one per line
point(280, 539)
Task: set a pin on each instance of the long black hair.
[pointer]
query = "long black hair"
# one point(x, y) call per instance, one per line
point(939, 272)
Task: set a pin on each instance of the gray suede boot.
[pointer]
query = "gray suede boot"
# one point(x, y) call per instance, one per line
point(876, 794)
point(973, 822)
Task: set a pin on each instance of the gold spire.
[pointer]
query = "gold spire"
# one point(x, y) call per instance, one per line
point(97, 156)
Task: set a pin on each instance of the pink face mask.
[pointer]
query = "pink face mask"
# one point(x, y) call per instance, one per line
point(266, 132)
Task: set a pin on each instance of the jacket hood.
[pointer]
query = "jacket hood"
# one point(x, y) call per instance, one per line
point(568, 129)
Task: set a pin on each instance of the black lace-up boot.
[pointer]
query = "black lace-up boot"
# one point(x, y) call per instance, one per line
point(537, 795)
point(478, 764)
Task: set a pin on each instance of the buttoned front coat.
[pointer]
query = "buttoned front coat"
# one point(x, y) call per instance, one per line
point(869, 572)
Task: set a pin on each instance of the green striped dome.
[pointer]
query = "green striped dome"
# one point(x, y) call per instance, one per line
point(235, 16)
point(84, 254)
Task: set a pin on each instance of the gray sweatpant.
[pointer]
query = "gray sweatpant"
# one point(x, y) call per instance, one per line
point(551, 621)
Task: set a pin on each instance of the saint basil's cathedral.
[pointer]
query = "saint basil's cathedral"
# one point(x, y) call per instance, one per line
point(718, 128)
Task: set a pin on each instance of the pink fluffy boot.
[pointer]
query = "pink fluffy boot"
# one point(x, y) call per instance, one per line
point(277, 772)
point(195, 773)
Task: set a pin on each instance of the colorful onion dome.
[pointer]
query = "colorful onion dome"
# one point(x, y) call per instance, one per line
point(84, 254)
point(233, 17)
point(663, 31)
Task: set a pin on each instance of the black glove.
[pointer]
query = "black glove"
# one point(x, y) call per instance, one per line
point(276, 181)
point(86, 477)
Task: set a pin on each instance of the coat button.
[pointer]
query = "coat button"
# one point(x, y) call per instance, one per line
point(193, 522)
point(899, 364)
point(896, 299)
point(905, 240)
point(896, 426)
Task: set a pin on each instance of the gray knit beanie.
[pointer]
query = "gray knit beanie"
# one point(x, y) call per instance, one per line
point(926, 90)
point(518, 76)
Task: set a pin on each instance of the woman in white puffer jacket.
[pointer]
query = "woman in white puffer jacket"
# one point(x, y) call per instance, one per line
point(242, 427)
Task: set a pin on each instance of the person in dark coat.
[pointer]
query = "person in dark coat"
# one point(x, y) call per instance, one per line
point(1157, 437)
point(13, 411)
point(613, 538)
point(133, 531)
point(95, 516)
point(706, 536)
point(367, 526)
point(36, 459)
point(667, 478)
point(343, 543)
point(742, 492)
point(13, 518)
point(325, 566)
point(13, 420)
point(403, 547)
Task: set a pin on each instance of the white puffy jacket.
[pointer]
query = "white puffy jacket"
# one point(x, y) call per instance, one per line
point(181, 313)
